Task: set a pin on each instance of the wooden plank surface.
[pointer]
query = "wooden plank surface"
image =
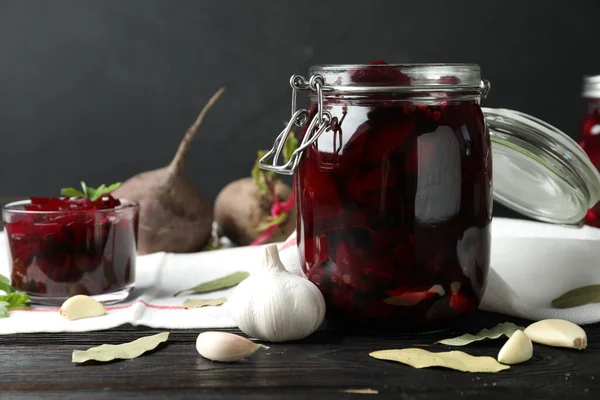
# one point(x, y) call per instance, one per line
point(321, 366)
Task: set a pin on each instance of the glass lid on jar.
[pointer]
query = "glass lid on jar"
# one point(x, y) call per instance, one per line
point(538, 170)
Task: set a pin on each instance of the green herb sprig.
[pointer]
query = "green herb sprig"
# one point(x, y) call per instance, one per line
point(11, 298)
point(260, 176)
point(89, 192)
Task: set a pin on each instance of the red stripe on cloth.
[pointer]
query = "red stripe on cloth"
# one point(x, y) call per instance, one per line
point(291, 242)
point(109, 308)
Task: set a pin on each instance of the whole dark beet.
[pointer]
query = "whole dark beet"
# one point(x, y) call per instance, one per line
point(240, 209)
point(174, 216)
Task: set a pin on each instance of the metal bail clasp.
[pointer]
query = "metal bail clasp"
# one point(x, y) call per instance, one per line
point(320, 123)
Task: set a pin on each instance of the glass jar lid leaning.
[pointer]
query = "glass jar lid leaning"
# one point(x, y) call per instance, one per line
point(538, 170)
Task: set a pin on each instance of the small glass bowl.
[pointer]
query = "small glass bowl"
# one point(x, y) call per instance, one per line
point(58, 254)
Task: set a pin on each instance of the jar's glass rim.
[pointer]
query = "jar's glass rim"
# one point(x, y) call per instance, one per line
point(17, 207)
point(395, 65)
point(340, 77)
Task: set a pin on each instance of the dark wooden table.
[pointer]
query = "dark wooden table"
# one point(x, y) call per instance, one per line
point(322, 366)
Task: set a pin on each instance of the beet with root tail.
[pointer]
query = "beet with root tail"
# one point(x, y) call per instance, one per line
point(258, 209)
point(174, 216)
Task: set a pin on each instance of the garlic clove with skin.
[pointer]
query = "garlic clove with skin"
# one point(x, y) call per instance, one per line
point(225, 347)
point(276, 305)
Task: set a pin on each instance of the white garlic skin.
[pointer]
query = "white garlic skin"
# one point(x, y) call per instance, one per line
point(276, 305)
point(291, 261)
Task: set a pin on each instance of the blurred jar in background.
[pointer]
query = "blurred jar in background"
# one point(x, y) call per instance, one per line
point(590, 134)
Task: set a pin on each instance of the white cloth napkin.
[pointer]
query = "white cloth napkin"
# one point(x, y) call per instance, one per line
point(532, 263)
point(158, 277)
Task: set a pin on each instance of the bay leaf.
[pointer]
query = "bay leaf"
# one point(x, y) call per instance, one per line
point(361, 391)
point(225, 282)
point(198, 303)
point(578, 297)
point(457, 360)
point(124, 351)
point(502, 329)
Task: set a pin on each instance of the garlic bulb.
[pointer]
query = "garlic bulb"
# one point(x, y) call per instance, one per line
point(276, 305)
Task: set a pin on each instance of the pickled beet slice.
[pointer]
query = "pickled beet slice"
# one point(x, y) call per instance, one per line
point(381, 135)
point(110, 203)
point(392, 236)
point(404, 253)
point(383, 75)
point(436, 264)
point(389, 138)
point(361, 270)
point(59, 268)
point(377, 62)
point(379, 267)
point(459, 301)
point(465, 114)
point(382, 176)
point(71, 204)
point(347, 271)
point(389, 201)
point(352, 154)
point(342, 300)
point(317, 276)
point(462, 303)
point(317, 185)
point(410, 296)
point(449, 80)
point(339, 219)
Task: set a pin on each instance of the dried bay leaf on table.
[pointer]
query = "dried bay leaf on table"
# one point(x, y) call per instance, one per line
point(198, 303)
point(224, 282)
point(502, 329)
point(124, 351)
point(578, 297)
point(361, 391)
point(457, 360)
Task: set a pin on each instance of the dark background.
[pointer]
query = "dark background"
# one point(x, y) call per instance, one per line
point(101, 90)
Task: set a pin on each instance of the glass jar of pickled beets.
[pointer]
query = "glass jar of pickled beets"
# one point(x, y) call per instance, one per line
point(394, 188)
point(61, 247)
point(589, 135)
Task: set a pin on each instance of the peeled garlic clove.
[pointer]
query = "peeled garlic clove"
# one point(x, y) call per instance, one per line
point(225, 347)
point(557, 333)
point(517, 349)
point(81, 306)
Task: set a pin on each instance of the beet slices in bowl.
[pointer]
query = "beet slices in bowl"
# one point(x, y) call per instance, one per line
point(60, 247)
